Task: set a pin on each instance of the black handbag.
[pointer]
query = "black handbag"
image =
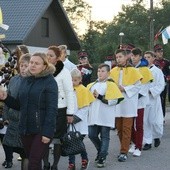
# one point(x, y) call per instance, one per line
point(72, 142)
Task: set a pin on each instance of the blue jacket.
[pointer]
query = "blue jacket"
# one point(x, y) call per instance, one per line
point(37, 101)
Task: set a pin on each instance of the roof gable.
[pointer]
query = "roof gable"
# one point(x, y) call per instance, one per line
point(19, 23)
point(22, 16)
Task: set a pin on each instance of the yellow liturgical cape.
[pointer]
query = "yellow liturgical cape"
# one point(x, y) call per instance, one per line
point(84, 96)
point(147, 75)
point(112, 91)
point(130, 75)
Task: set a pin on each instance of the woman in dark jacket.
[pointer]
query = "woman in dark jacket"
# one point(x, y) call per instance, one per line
point(37, 101)
point(12, 141)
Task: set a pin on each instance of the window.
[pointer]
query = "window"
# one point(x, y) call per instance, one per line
point(44, 27)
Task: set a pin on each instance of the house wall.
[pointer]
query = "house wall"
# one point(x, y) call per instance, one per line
point(56, 34)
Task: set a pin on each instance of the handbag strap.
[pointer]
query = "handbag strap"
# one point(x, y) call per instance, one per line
point(73, 128)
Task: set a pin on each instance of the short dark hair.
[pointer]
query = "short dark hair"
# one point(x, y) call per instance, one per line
point(124, 52)
point(104, 65)
point(136, 51)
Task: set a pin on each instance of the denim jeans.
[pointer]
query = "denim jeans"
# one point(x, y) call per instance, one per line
point(101, 143)
point(83, 155)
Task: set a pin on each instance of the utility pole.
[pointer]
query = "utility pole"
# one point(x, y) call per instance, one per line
point(151, 26)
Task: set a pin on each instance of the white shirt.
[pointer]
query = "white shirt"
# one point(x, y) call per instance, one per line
point(69, 65)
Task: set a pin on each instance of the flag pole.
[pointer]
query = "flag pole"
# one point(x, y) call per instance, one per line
point(157, 34)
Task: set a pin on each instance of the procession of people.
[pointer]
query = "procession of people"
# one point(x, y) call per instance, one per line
point(46, 92)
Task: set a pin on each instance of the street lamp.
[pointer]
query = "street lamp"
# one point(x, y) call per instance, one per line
point(121, 34)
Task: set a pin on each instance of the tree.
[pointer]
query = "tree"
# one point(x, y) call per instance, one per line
point(103, 38)
point(79, 13)
point(134, 22)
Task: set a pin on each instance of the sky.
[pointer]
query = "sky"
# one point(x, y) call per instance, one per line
point(107, 9)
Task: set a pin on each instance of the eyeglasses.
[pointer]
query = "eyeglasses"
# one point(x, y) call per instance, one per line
point(159, 51)
point(82, 58)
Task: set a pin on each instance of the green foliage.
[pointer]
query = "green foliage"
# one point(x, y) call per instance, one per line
point(103, 39)
point(134, 22)
point(77, 10)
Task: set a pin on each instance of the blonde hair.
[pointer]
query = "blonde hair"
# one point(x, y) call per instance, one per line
point(76, 73)
point(63, 47)
point(150, 53)
point(48, 65)
point(21, 49)
point(25, 58)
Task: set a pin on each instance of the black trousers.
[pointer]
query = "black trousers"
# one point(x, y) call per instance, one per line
point(163, 100)
point(10, 150)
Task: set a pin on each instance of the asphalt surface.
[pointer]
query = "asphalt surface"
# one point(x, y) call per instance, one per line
point(153, 159)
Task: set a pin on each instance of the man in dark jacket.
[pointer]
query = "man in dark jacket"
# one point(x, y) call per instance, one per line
point(85, 67)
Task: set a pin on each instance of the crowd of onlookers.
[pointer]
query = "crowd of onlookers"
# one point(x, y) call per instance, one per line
point(42, 93)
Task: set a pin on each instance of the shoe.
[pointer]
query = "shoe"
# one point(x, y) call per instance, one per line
point(46, 167)
point(122, 157)
point(85, 164)
point(8, 165)
point(157, 142)
point(71, 167)
point(96, 159)
point(132, 148)
point(137, 152)
point(147, 147)
point(118, 155)
point(101, 163)
point(4, 163)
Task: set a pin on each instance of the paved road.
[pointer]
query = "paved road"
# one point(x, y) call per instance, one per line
point(154, 159)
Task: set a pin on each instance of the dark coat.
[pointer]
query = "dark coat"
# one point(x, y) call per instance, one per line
point(38, 102)
point(12, 137)
point(86, 72)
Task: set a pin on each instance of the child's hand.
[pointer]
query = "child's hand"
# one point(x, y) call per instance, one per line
point(95, 94)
